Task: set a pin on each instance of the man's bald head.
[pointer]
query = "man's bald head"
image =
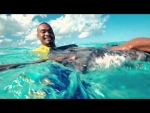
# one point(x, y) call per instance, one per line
point(45, 34)
point(42, 24)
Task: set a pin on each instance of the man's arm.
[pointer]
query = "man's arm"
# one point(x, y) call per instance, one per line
point(141, 44)
point(9, 66)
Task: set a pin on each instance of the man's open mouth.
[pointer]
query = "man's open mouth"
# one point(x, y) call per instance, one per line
point(48, 39)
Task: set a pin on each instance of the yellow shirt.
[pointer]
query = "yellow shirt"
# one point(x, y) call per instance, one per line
point(42, 51)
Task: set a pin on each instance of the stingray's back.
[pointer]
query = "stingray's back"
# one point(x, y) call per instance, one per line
point(85, 56)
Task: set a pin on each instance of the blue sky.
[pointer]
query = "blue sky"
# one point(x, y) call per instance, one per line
point(20, 30)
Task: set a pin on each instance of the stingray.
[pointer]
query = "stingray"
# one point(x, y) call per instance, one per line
point(86, 58)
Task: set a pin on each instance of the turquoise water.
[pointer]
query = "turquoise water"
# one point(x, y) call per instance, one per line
point(50, 80)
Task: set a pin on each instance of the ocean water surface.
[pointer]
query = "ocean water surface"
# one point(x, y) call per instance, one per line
point(51, 80)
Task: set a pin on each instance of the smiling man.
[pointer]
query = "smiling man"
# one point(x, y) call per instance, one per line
point(46, 35)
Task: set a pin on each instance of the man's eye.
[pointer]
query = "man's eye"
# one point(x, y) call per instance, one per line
point(43, 31)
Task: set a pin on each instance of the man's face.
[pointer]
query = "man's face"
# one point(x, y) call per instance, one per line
point(45, 34)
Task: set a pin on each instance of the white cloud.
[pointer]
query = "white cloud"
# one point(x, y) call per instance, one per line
point(31, 34)
point(4, 42)
point(23, 19)
point(84, 34)
point(14, 24)
point(78, 25)
point(1, 36)
point(69, 25)
point(21, 42)
point(21, 25)
point(18, 24)
point(36, 43)
point(1, 41)
point(42, 15)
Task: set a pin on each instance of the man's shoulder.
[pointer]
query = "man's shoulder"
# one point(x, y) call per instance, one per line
point(36, 49)
point(41, 49)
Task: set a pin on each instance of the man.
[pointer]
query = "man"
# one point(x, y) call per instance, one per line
point(47, 37)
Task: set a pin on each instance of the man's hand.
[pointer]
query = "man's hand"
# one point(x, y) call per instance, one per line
point(71, 58)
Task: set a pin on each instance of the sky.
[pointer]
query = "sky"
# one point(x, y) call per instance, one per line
point(19, 30)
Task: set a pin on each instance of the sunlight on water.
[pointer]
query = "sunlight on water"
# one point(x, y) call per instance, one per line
point(112, 79)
